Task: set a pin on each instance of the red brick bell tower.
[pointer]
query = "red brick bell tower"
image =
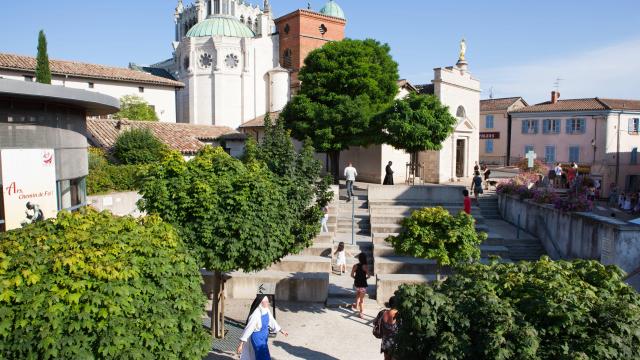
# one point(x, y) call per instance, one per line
point(301, 32)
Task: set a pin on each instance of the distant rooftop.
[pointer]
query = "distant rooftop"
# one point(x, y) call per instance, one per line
point(588, 104)
point(84, 70)
point(186, 138)
point(500, 104)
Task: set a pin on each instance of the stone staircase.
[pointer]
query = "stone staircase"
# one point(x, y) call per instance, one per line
point(489, 207)
point(353, 225)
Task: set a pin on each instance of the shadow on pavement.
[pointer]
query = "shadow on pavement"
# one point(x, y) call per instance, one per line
point(303, 353)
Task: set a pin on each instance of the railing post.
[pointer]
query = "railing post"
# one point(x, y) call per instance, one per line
point(353, 221)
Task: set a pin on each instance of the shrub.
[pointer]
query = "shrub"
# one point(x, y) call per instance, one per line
point(531, 310)
point(94, 286)
point(433, 233)
point(138, 146)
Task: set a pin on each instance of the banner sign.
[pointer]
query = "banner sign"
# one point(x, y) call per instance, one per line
point(489, 135)
point(28, 186)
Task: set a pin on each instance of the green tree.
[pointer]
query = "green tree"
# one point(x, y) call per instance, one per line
point(545, 310)
point(133, 107)
point(233, 215)
point(344, 85)
point(417, 123)
point(43, 71)
point(91, 285)
point(433, 233)
point(139, 146)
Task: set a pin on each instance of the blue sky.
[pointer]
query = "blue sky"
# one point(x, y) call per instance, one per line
point(514, 47)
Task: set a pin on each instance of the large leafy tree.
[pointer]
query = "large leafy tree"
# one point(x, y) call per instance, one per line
point(531, 310)
point(43, 71)
point(133, 107)
point(344, 85)
point(417, 123)
point(234, 215)
point(91, 285)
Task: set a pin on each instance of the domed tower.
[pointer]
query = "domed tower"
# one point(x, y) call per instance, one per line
point(224, 54)
point(303, 31)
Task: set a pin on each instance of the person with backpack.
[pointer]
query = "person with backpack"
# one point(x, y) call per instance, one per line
point(385, 327)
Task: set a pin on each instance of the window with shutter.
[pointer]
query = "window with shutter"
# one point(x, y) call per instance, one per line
point(488, 146)
point(634, 156)
point(549, 154)
point(574, 154)
point(489, 122)
point(634, 126)
point(546, 126)
point(525, 126)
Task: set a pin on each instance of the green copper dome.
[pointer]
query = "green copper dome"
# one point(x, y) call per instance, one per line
point(221, 26)
point(332, 9)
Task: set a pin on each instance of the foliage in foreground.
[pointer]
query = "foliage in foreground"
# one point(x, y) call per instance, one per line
point(547, 310)
point(139, 146)
point(96, 286)
point(234, 216)
point(433, 233)
point(133, 107)
point(105, 177)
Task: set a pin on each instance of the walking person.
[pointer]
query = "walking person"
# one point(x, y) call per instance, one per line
point(325, 219)
point(486, 172)
point(558, 172)
point(350, 174)
point(467, 201)
point(341, 258)
point(476, 186)
point(360, 274)
point(254, 340)
point(388, 178)
point(389, 329)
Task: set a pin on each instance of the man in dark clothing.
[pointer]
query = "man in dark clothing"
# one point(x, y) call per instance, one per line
point(388, 179)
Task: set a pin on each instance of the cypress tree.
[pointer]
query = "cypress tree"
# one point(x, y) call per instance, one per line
point(43, 72)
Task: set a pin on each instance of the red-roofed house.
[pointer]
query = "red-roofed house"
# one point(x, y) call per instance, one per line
point(494, 128)
point(158, 91)
point(599, 133)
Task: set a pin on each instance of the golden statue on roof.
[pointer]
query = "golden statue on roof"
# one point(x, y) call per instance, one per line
point(463, 49)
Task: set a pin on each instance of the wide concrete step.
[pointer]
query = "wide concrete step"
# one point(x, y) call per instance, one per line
point(323, 250)
point(411, 265)
point(324, 238)
point(298, 286)
point(387, 284)
point(386, 250)
point(303, 263)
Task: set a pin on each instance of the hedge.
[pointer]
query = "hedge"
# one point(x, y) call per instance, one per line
point(547, 310)
point(94, 286)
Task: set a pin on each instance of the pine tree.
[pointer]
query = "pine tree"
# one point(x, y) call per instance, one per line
point(43, 72)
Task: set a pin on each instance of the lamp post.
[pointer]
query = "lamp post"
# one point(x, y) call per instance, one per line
point(593, 143)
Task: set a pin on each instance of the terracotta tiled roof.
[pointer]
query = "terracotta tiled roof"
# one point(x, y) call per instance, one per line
point(501, 104)
point(589, 104)
point(404, 82)
point(259, 121)
point(186, 138)
point(83, 70)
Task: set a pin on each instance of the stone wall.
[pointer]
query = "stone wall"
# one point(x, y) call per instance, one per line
point(422, 194)
point(576, 235)
point(120, 204)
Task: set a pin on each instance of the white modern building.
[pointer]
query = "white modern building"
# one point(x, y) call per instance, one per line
point(159, 92)
point(226, 54)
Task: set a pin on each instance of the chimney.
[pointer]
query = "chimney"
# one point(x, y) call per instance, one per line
point(555, 95)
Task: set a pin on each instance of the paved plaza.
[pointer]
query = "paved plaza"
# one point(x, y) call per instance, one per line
point(315, 333)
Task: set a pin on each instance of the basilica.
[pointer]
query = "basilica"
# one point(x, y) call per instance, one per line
point(238, 62)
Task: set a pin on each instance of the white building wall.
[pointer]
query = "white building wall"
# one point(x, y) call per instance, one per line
point(457, 88)
point(400, 159)
point(162, 98)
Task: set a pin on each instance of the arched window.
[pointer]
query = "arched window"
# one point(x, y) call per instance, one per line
point(249, 22)
point(216, 6)
point(255, 25)
point(461, 113)
point(287, 59)
point(242, 19)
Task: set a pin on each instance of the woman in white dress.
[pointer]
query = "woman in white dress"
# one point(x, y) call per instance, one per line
point(254, 341)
